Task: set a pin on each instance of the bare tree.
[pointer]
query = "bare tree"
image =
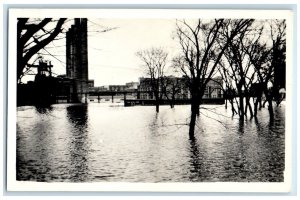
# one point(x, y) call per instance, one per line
point(240, 69)
point(269, 63)
point(278, 35)
point(228, 87)
point(172, 87)
point(259, 56)
point(155, 60)
point(32, 36)
point(252, 58)
point(201, 53)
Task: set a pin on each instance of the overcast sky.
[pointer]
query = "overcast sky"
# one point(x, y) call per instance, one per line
point(112, 54)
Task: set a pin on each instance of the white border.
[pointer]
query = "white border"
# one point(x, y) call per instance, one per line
point(13, 185)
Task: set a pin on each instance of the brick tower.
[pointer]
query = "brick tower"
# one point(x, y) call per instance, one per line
point(77, 60)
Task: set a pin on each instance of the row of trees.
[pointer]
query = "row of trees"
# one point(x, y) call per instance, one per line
point(162, 86)
point(249, 55)
point(253, 65)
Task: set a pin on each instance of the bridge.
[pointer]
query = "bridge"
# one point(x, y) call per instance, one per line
point(137, 101)
point(112, 94)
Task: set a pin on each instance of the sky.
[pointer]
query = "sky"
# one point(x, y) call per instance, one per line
point(112, 58)
point(112, 54)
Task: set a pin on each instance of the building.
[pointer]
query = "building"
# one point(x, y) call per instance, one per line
point(214, 89)
point(145, 89)
point(128, 87)
point(98, 89)
point(177, 88)
point(45, 89)
point(72, 87)
point(132, 85)
point(91, 83)
point(77, 60)
point(117, 88)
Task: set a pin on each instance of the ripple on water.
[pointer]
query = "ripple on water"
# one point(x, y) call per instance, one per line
point(96, 142)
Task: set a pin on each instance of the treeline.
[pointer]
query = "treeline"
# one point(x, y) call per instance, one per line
point(248, 54)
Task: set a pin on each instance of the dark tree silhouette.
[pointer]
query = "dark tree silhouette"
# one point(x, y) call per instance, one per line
point(259, 56)
point(269, 63)
point(240, 69)
point(201, 53)
point(228, 88)
point(154, 60)
point(278, 35)
point(32, 36)
point(252, 61)
point(171, 88)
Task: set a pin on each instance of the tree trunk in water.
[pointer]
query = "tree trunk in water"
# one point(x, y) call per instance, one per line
point(172, 102)
point(192, 124)
point(157, 101)
point(232, 107)
point(269, 99)
point(260, 104)
point(194, 113)
point(241, 106)
point(249, 107)
point(270, 108)
point(246, 107)
point(157, 106)
point(195, 105)
point(256, 103)
point(198, 110)
point(256, 106)
point(263, 105)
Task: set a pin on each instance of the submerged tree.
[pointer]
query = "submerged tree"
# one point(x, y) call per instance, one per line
point(268, 59)
point(250, 63)
point(155, 60)
point(278, 35)
point(32, 36)
point(240, 69)
point(259, 56)
point(201, 53)
point(171, 87)
point(229, 92)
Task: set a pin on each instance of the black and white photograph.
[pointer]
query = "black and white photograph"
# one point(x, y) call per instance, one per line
point(178, 98)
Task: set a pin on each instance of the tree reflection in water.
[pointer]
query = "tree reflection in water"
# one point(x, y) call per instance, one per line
point(197, 172)
point(95, 142)
point(79, 146)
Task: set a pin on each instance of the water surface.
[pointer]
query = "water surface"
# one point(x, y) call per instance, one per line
point(108, 142)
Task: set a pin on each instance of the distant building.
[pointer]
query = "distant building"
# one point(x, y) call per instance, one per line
point(214, 88)
point(98, 89)
point(171, 85)
point(128, 87)
point(117, 88)
point(132, 85)
point(145, 89)
point(91, 83)
point(178, 87)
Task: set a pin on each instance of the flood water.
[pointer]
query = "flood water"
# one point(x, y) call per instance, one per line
point(109, 142)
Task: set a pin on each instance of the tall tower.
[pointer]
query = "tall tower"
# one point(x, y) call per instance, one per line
point(77, 59)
